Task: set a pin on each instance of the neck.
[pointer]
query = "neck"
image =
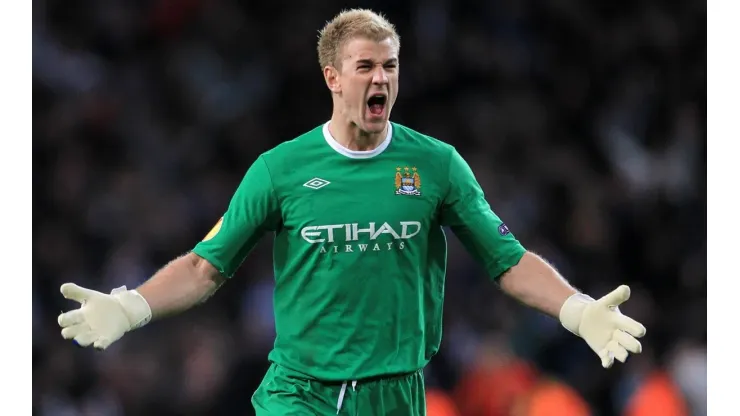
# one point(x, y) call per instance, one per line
point(349, 135)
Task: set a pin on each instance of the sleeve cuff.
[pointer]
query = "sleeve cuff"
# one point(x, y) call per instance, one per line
point(506, 262)
point(214, 261)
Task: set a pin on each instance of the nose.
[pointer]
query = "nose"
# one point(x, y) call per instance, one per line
point(379, 76)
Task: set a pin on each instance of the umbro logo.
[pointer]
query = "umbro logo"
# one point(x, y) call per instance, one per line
point(316, 183)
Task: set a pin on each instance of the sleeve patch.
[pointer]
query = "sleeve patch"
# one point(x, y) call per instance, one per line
point(216, 228)
point(503, 229)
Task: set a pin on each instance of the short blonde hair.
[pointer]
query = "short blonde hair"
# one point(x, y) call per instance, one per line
point(350, 24)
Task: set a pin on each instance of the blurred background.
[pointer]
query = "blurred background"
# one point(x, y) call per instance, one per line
point(585, 123)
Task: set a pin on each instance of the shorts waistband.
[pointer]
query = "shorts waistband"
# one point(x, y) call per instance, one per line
point(374, 379)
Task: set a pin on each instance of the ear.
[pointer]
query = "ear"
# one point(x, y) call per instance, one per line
point(331, 76)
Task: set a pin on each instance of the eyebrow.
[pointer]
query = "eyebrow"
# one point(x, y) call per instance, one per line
point(370, 62)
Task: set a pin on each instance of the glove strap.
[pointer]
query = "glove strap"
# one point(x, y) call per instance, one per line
point(572, 311)
point(137, 308)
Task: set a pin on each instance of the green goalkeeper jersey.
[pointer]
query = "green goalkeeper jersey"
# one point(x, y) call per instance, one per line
point(360, 251)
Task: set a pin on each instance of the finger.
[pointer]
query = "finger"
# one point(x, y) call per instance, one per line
point(71, 318)
point(102, 343)
point(617, 297)
point(75, 330)
point(617, 351)
point(607, 358)
point(86, 338)
point(76, 293)
point(627, 341)
point(630, 326)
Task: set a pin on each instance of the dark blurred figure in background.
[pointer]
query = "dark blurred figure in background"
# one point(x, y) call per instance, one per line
point(584, 123)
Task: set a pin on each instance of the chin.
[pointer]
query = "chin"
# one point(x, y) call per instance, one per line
point(375, 126)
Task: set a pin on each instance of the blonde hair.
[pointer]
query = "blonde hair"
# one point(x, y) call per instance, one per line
point(350, 24)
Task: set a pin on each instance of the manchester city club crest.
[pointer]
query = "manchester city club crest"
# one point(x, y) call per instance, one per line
point(408, 181)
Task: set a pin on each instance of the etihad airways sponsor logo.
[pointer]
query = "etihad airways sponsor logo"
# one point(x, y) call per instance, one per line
point(350, 238)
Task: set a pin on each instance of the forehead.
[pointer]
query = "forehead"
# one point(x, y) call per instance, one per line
point(356, 49)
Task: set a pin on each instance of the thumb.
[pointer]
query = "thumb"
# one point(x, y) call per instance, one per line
point(617, 297)
point(607, 358)
point(76, 293)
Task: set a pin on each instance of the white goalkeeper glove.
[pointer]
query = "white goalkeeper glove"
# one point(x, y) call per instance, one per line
point(600, 323)
point(102, 319)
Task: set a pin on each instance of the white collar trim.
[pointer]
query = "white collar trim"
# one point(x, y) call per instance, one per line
point(357, 154)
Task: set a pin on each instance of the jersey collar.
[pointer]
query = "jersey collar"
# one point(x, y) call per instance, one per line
point(357, 154)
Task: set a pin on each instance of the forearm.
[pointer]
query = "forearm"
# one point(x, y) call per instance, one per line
point(537, 284)
point(183, 283)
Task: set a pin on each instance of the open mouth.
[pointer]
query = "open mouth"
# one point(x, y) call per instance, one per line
point(376, 104)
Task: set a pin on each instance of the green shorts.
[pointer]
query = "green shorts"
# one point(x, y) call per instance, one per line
point(284, 392)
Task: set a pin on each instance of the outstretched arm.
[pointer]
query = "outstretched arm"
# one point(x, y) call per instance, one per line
point(529, 279)
point(537, 284)
point(186, 281)
point(610, 334)
point(102, 318)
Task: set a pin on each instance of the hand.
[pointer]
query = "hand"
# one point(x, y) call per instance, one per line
point(600, 323)
point(102, 319)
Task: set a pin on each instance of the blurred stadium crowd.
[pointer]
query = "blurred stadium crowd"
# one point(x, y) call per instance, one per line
point(584, 122)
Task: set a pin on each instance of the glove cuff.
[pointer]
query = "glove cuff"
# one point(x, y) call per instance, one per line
point(136, 307)
point(572, 311)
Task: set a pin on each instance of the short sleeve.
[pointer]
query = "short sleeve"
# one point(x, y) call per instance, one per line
point(468, 214)
point(252, 212)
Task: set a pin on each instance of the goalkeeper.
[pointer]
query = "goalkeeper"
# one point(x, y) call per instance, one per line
point(357, 207)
